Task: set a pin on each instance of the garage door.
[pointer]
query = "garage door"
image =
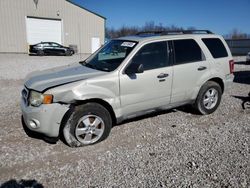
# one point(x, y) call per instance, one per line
point(43, 30)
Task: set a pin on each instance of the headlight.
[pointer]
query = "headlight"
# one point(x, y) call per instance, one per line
point(36, 98)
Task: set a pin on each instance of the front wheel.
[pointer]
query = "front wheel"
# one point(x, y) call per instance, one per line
point(209, 98)
point(88, 124)
point(69, 53)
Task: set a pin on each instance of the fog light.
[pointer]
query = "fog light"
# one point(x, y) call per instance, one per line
point(34, 124)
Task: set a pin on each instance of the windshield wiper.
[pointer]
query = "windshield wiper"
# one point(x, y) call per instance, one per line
point(83, 62)
point(90, 66)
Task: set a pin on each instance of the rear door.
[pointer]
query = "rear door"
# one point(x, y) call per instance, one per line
point(47, 48)
point(189, 70)
point(152, 88)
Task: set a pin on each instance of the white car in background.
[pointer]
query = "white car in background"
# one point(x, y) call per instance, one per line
point(248, 57)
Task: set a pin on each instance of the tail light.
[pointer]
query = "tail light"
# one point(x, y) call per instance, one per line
point(231, 66)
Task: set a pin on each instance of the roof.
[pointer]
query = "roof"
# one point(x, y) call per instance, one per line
point(70, 1)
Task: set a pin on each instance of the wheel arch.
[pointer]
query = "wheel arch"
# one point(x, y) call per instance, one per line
point(218, 81)
point(102, 102)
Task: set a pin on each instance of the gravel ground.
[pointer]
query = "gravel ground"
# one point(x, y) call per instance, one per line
point(170, 149)
point(16, 67)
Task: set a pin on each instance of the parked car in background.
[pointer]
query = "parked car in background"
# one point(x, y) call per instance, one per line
point(50, 48)
point(248, 57)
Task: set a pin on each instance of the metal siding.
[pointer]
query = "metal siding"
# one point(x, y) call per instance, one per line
point(74, 20)
point(239, 46)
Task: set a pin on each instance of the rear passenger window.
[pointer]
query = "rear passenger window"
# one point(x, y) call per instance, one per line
point(187, 51)
point(152, 56)
point(216, 47)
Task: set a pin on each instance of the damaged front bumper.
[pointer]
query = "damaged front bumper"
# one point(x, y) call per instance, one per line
point(45, 119)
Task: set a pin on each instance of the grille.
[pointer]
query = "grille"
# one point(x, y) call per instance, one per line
point(25, 95)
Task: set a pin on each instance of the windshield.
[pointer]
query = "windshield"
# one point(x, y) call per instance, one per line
point(111, 55)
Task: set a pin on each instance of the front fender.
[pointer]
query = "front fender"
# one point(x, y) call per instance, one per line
point(97, 92)
point(104, 89)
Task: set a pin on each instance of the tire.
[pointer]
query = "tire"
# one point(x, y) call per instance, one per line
point(40, 53)
point(246, 105)
point(88, 124)
point(209, 98)
point(68, 53)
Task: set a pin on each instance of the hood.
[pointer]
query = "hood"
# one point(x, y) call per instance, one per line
point(43, 80)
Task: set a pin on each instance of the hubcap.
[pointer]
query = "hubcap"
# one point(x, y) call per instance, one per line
point(89, 129)
point(210, 98)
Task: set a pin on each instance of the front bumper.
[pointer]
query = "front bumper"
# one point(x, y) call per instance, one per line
point(45, 119)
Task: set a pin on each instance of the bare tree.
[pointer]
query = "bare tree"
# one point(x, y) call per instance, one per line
point(236, 34)
point(132, 30)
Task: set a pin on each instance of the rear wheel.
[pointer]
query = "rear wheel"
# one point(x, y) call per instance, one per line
point(88, 124)
point(209, 98)
point(40, 53)
point(246, 105)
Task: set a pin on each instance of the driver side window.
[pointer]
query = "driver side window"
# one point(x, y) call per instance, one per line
point(152, 56)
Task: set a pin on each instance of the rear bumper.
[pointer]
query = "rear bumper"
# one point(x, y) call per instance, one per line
point(45, 119)
point(228, 81)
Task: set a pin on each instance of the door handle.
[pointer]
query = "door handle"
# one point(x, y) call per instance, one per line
point(201, 68)
point(162, 75)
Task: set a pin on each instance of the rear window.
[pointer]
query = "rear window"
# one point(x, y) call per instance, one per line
point(216, 47)
point(187, 51)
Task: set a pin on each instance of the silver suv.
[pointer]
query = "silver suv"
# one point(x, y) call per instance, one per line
point(128, 77)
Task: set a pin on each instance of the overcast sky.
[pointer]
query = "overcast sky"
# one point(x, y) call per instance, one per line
point(219, 16)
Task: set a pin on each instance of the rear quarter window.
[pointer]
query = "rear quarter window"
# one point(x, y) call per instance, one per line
point(216, 47)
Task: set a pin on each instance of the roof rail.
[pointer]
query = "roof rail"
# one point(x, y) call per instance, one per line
point(174, 32)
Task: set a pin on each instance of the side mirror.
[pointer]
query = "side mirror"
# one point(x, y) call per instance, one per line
point(134, 68)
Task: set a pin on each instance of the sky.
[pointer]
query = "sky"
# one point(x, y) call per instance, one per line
point(219, 16)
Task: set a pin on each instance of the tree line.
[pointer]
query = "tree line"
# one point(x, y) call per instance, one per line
point(151, 26)
point(148, 26)
point(236, 34)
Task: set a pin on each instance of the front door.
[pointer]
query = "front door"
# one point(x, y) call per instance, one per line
point(152, 88)
point(57, 49)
